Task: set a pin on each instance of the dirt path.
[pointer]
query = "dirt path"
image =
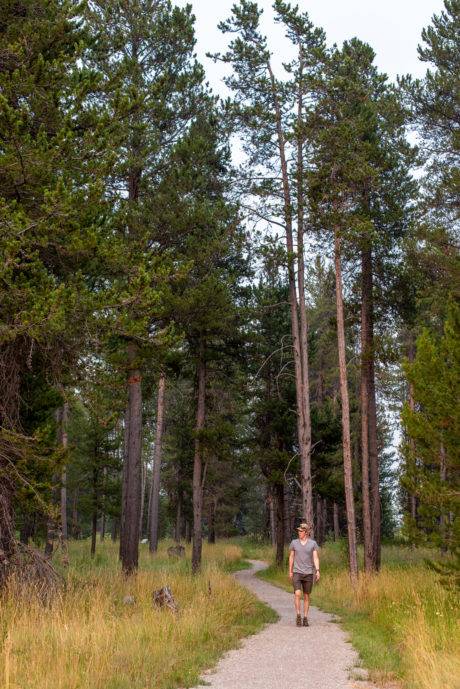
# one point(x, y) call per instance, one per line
point(283, 656)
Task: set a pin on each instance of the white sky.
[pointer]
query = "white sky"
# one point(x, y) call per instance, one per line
point(391, 27)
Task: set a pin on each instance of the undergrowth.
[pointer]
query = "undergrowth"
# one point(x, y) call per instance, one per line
point(89, 638)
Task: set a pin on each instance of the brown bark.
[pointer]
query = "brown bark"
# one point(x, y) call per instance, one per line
point(279, 524)
point(114, 528)
point(411, 402)
point(178, 530)
point(305, 481)
point(336, 522)
point(64, 441)
point(155, 487)
point(95, 507)
point(212, 520)
point(124, 482)
point(198, 462)
point(272, 517)
point(324, 519)
point(178, 524)
point(130, 534)
point(303, 430)
point(346, 436)
point(319, 520)
point(75, 530)
point(368, 383)
point(143, 489)
point(367, 532)
point(103, 515)
point(287, 514)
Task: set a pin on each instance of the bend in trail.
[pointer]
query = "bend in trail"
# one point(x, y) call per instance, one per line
point(283, 656)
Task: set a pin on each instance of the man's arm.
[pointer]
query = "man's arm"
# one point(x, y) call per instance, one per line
point(291, 563)
point(316, 563)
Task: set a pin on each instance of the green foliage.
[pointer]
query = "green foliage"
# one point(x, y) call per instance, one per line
point(432, 459)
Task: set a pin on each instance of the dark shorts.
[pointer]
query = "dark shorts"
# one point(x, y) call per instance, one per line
point(302, 582)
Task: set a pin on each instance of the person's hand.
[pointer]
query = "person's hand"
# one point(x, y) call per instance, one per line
point(317, 575)
point(291, 575)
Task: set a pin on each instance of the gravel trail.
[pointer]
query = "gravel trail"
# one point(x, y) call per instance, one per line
point(283, 656)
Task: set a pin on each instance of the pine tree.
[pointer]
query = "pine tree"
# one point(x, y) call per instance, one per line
point(365, 158)
point(262, 113)
point(433, 425)
point(150, 84)
point(48, 215)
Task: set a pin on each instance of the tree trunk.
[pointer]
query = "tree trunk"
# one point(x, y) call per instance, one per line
point(346, 438)
point(306, 484)
point(74, 519)
point(271, 512)
point(367, 532)
point(95, 506)
point(114, 529)
point(198, 463)
point(143, 488)
point(179, 520)
point(303, 425)
point(319, 535)
point(130, 534)
point(27, 529)
point(64, 442)
point(324, 517)
point(155, 486)
point(188, 531)
point(411, 402)
point(336, 522)
point(287, 514)
point(442, 516)
point(103, 515)
point(212, 520)
point(368, 404)
point(124, 482)
point(279, 522)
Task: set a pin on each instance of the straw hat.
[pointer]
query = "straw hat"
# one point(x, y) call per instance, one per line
point(304, 527)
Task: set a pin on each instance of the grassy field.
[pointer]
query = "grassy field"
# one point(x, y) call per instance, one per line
point(402, 621)
point(89, 639)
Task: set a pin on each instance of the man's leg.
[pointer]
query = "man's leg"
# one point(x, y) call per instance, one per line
point(306, 604)
point(297, 595)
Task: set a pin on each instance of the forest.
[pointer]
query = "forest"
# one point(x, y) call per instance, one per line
point(223, 316)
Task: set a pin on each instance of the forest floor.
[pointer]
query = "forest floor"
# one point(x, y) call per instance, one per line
point(283, 655)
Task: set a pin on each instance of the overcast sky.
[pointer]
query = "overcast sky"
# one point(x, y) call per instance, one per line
point(391, 27)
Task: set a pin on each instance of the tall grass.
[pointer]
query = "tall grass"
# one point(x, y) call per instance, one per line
point(88, 638)
point(402, 621)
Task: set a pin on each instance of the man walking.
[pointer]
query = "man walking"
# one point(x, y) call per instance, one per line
point(303, 566)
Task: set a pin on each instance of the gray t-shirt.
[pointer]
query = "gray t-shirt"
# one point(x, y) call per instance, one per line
point(303, 558)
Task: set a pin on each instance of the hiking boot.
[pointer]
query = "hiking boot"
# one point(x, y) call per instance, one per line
point(298, 621)
point(305, 622)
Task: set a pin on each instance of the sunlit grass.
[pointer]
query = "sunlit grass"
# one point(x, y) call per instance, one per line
point(402, 621)
point(88, 638)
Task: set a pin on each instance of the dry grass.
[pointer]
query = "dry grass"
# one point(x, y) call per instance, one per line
point(88, 638)
point(402, 621)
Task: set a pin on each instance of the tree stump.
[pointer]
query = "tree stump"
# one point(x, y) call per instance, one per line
point(163, 598)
